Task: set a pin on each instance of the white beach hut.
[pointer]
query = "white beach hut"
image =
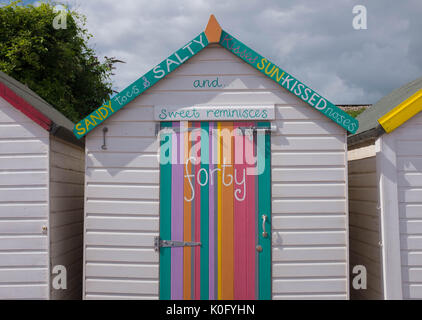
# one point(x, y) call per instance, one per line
point(203, 225)
point(385, 191)
point(41, 198)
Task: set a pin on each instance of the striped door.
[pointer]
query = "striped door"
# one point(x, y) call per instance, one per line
point(215, 188)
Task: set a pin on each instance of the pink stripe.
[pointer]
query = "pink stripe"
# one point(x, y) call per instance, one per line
point(211, 217)
point(240, 208)
point(23, 106)
point(197, 200)
point(250, 218)
point(177, 215)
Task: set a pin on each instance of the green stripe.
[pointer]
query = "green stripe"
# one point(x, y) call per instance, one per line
point(264, 207)
point(165, 212)
point(204, 212)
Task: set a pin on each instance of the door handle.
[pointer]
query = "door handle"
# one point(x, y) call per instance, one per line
point(264, 219)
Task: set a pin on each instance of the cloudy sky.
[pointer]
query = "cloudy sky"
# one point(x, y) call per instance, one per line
point(313, 40)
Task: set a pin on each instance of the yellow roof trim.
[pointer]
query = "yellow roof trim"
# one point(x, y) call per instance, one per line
point(403, 112)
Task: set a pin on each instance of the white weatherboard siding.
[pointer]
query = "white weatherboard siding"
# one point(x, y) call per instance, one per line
point(24, 159)
point(409, 179)
point(309, 206)
point(122, 208)
point(397, 171)
point(66, 214)
point(364, 223)
point(309, 216)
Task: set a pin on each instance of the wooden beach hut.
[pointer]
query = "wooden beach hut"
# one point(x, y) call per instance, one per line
point(216, 175)
point(385, 192)
point(41, 198)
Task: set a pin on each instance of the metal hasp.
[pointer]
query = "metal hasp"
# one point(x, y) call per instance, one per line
point(271, 129)
point(158, 243)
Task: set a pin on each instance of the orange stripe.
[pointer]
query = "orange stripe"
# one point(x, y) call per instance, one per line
point(187, 231)
point(227, 225)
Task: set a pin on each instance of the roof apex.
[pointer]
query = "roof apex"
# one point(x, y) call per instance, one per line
point(213, 30)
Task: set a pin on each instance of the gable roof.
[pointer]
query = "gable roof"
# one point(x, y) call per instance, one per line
point(37, 109)
point(215, 34)
point(390, 112)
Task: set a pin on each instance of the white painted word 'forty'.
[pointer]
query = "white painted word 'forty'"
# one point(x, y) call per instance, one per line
point(209, 178)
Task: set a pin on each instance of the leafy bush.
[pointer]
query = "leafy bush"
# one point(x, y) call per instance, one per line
point(56, 64)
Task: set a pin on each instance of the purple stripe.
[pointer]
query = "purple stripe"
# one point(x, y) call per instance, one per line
point(177, 215)
point(211, 217)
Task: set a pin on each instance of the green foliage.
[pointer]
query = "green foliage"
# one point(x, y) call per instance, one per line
point(355, 113)
point(56, 64)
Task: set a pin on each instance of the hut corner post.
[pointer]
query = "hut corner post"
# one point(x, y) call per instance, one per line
point(388, 204)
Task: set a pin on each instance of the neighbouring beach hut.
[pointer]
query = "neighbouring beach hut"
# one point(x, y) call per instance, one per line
point(41, 197)
point(246, 198)
point(385, 192)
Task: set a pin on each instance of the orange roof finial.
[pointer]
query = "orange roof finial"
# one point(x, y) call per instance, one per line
point(213, 30)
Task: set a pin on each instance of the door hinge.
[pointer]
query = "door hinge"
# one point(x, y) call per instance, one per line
point(158, 243)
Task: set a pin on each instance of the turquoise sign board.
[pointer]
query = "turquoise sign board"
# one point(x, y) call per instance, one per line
point(289, 82)
point(139, 86)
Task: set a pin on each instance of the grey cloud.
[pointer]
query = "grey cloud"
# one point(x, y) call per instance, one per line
point(313, 40)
